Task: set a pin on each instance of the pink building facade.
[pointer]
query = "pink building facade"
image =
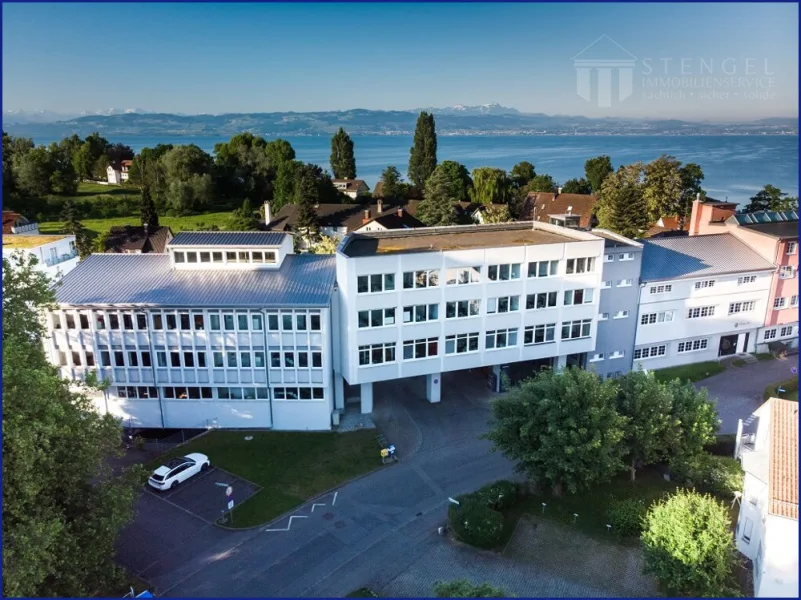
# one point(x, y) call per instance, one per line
point(774, 235)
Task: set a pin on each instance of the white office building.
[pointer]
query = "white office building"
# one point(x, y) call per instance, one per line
point(224, 330)
point(701, 298)
point(421, 302)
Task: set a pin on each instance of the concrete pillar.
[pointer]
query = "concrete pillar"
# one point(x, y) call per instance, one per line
point(561, 362)
point(496, 372)
point(367, 398)
point(434, 387)
point(339, 391)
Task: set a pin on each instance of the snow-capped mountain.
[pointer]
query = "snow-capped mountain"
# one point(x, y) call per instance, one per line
point(21, 116)
point(482, 109)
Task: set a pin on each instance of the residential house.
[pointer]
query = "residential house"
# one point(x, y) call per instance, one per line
point(767, 526)
point(129, 239)
point(353, 188)
point(15, 223)
point(567, 210)
point(125, 166)
point(701, 297)
point(118, 174)
point(55, 254)
point(225, 329)
point(774, 235)
point(466, 212)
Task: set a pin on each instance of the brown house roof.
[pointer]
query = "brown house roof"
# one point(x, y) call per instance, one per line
point(783, 477)
point(352, 185)
point(538, 206)
point(350, 216)
point(131, 239)
point(12, 219)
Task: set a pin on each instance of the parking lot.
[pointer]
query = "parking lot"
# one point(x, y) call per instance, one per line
point(204, 495)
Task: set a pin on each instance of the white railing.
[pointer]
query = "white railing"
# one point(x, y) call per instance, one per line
point(51, 262)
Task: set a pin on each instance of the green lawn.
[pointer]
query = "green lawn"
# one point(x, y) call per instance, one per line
point(291, 467)
point(191, 223)
point(790, 386)
point(764, 356)
point(89, 191)
point(694, 372)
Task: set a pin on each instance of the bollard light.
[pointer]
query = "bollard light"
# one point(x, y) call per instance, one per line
point(543, 507)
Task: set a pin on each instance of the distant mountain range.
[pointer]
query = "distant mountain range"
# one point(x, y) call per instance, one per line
point(486, 119)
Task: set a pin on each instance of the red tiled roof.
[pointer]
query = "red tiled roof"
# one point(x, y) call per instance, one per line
point(538, 206)
point(783, 477)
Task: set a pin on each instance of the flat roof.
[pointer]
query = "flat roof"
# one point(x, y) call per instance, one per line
point(461, 237)
point(149, 280)
point(227, 238)
point(615, 240)
point(30, 241)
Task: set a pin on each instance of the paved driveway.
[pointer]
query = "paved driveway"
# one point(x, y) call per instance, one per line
point(738, 390)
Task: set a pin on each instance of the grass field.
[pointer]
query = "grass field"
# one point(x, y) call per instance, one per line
point(290, 467)
point(790, 387)
point(191, 223)
point(694, 372)
point(89, 191)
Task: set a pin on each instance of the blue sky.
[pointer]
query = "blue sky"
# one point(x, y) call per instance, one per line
point(216, 58)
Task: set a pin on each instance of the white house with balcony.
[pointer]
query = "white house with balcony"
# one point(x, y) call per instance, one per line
point(767, 526)
point(701, 298)
point(56, 255)
point(420, 302)
point(226, 329)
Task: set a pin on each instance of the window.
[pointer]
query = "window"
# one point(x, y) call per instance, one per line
point(746, 279)
point(304, 393)
point(119, 358)
point(609, 257)
point(218, 360)
point(463, 276)
point(76, 359)
point(627, 256)
point(624, 283)
point(217, 257)
point(113, 321)
point(317, 358)
point(185, 326)
point(289, 360)
point(231, 359)
point(141, 321)
point(257, 322)
point(133, 359)
point(214, 322)
point(461, 343)
point(543, 268)
point(650, 352)
point(770, 334)
point(242, 322)
point(791, 247)
point(748, 529)
point(660, 317)
point(423, 348)
point(272, 322)
point(693, 345)
point(541, 300)
point(661, 289)
point(578, 297)
point(161, 359)
point(617, 354)
point(501, 338)
point(189, 359)
point(786, 272)
point(228, 322)
point(573, 330)
point(256, 257)
point(741, 307)
point(785, 331)
point(230, 257)
point(275, 360)
point(539, 334)
point(701, 312)
point(201, 360)
point(303, 360)
point(315, 322)
point(300, 321)
point(375, 318)
point(373, 284)
point(779, 303)
point(419, 313)
point(175, 359)
point(178, 256)
point(707, 283)
point(603, 316)
point(420, 279)
point(70, 321)
point(605, 285)
point(503, 304)
point(621, 314)
point(580, 265)
point(462, 308)
point(191, 257)
point(244, 359)
point(375, 354)
point(503, 272)
point(286, 322)
point(258, 359)
point(145, 359)
point(105, 358)
point(794, 301)
point(598, 356)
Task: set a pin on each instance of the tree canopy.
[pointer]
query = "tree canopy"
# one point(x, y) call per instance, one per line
point(423, 154)
point(490, 186)
point(460, 181)
point(621, 206)
point(577, 186)
point(522, 173)
point(437, 207)
point(343, 162)
point(596, 169)
point(771, 198)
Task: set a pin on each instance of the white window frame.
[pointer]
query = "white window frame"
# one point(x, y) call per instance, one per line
point(741, 306)
point(552, 268)
point(582, 324)
point(603, 316)
point(783, 331)
point(453, 340)
point(580, 265)
point(384, 279)
point(474, 304)
point(621, 314)
point(494, 305)
point(627, 256)
point(427, 344)
point(605, 285)
point(455, 275)
point(794, 301)
point(597, 357)
point(770, 334)
point(499, 267)
point(779, 303)
point(388, 318)
point(569, 297)
point(428, 309)
point(786, 272)
point(545, 328)
point(792, 247)
point(665, 316)
point(665, 288)
point(746, 279)
point(646, 352)
point(609, 257)
point(495, 334)
point(427, 275)
point(383, 347)
point(704, 284)
point(695, 345)
point(701, 312)
point(617, 354)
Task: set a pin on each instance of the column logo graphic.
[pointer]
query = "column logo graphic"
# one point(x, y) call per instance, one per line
point(596, 64)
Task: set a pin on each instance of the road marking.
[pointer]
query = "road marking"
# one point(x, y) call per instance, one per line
point(315, 505)
point(289, 524)
point(334, 501)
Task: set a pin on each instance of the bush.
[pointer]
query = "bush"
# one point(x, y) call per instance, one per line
point(688, 545)
point(500, 495)
point(476, 523)
point(464, 589)
point(627, 516)
point(723, 445)
point(719, 475)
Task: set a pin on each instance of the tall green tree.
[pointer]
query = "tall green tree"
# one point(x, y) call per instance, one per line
point(771, 198)
point(490, 186)
point(695, 417)
point(33, 172)
point(691, 177)
point(662, 187)
point(423, 154)
point(64, 179)
point(148, 169)
point(90, 160)
point(279, 151)
point(307, 196)
point(343, 162)
point(688, 545)
point(542, 183)
point(522, 173)
point(461, 183)
point(621, 206)
point(243, 219)
point(391, 186)
point(596, 169)
point(147, 210)
point(284, 187)
point(561, 429)
point(437, 207)
point(188, 169)
point(63, 506)
point(243, 169)
point(577, 186)
point(73, 226)
point(9, 186)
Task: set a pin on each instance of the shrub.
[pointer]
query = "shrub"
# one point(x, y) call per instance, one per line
point(627, 516)
point(688, 545)
point(719, 475)
point(476, 523)
point(500, 495)
point(464, 589)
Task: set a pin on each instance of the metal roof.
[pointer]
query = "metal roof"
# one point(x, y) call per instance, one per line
point(227, 238)
point(699, 256)
point(766, 216)
point(148, 279)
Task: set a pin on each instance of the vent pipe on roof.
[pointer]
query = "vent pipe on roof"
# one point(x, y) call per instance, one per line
point(267, 214)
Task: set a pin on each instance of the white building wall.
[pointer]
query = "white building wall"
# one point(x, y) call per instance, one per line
point(681, 298)
point(56, 259)
point(778, 575)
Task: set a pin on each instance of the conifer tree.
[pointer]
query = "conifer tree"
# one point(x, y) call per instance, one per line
point(423, 154)
point(343, 163)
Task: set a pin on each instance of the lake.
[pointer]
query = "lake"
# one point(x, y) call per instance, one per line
point(735, 166)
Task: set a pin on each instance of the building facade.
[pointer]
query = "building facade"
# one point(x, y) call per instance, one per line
point(701, 298)
point(226, 330)
point(425, 301)
point(56, 255)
